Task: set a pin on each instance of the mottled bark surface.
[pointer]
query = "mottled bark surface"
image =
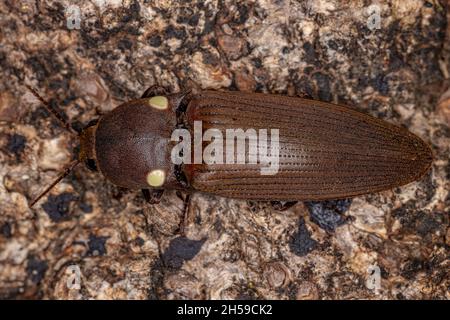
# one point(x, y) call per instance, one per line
point(230, 249)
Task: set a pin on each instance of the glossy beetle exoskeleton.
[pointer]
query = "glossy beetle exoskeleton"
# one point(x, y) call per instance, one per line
point(325, 151)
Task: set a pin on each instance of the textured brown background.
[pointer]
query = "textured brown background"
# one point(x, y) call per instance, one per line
point(232, 249)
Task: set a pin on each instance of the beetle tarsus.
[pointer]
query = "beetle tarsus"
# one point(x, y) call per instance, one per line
point(282, 205)
point(184, 218)
point(152, 196)
point(305, 95)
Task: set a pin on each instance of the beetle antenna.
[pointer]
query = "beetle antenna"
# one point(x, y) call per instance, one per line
point(61, 176)
point(52, 110)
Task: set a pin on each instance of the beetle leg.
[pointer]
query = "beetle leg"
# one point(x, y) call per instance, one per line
point(184, 218)
point(282, 205)
point(152, 196)
point(154, 91)
point(305, 95)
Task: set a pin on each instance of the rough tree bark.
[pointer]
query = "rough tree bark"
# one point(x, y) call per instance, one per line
point(329, 50)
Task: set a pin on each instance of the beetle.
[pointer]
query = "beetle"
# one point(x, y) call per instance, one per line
point(326, 151)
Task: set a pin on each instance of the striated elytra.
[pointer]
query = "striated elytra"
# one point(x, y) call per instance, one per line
point(324, 151)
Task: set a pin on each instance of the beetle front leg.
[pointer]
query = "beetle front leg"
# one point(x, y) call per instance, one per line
point(152, 196)
point(155, 90)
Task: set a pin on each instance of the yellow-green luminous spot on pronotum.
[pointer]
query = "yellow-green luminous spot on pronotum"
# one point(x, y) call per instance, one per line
point(155, 178)
point(158, 102)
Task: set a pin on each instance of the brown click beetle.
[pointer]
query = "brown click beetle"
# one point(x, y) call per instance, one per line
point(325, 151)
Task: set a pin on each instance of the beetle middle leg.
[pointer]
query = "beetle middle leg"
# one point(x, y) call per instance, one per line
point(155, 90)
point(255, 206)
point(282, 205)
point(185, 216)
point(163, 215)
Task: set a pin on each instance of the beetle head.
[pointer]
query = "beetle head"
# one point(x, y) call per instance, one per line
point(87, 146)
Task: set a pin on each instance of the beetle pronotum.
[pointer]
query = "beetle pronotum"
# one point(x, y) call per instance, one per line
point(326, 151)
